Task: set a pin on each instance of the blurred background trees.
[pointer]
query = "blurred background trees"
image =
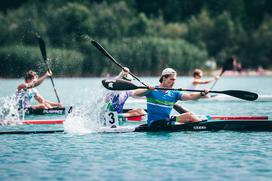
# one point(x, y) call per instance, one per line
point(147, 36)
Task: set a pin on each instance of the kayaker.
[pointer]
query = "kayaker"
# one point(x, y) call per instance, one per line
point(116, 100)
point(26, 92)
point(197, 79)
point(160, 102)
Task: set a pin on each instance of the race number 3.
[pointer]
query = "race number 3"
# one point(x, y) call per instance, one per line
point(111, 118)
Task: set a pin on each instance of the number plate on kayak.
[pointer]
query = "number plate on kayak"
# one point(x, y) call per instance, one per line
point(111, 119)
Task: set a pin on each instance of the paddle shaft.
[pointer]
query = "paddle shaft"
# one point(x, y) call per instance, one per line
point(43, 51)
point(53, 84)
point(249, 96)
point(99, 47)
point(217, 79)
point(189, 90)
point(177, 89)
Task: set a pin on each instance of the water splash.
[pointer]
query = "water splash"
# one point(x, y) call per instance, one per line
point(9, 114)
point(87, 116)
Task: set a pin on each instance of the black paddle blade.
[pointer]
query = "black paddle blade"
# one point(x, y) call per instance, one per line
point(228, 65)
point(43, 51)
point(42, 48)
point(101, 49)
point(245, 95)
point(98, 46)
point(118, 85)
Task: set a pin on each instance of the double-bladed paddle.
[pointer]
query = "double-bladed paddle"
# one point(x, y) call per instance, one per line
point(121, 85)
point(177, 107)
point(43, 51)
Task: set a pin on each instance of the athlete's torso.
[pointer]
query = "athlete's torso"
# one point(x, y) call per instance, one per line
point(160, 104)
point(25, 97)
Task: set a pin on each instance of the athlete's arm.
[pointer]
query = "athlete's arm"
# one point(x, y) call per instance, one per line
point(54, 104)
point(22, 86)
point(39, 98)
point(41, 79)
point(199, 81)
point(35, 83)
point(202, 81)
point(140, 92)
point(193, 96)
point(143, 92)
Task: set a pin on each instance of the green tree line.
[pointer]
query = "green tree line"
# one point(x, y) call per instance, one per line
point(146, 36)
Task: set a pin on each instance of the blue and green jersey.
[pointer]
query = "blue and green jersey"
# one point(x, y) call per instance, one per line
point(160, 104)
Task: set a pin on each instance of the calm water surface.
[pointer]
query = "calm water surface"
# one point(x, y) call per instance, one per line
point(223, 155)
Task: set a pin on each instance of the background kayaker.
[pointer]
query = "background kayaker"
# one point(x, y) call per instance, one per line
point(26, 92)
point(197, 79)
point(160, 102)
point(116, 100)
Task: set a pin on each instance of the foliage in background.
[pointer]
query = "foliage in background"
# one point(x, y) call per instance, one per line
point(146, 36)
point(16, 60)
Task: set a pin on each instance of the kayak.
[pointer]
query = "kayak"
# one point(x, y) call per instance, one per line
point(212, 123)
point(45, 121)
point(51, 111)
point(141, 119)
point(33, 121)
point(133, 119)
point(32, 132)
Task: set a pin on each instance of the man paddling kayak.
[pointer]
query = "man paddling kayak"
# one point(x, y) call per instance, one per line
point(26, 92)
point(160, 102)
point(116, 100)
point(197, 79)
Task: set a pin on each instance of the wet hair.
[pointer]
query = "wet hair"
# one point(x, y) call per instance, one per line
point(30, 75)
point(197, 72)
point(165, 76)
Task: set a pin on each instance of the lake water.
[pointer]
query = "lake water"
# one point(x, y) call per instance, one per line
point(83, 154)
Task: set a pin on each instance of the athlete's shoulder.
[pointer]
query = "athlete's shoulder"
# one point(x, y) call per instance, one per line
point(150, 93)
point(22, 86)
point(176, 94)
